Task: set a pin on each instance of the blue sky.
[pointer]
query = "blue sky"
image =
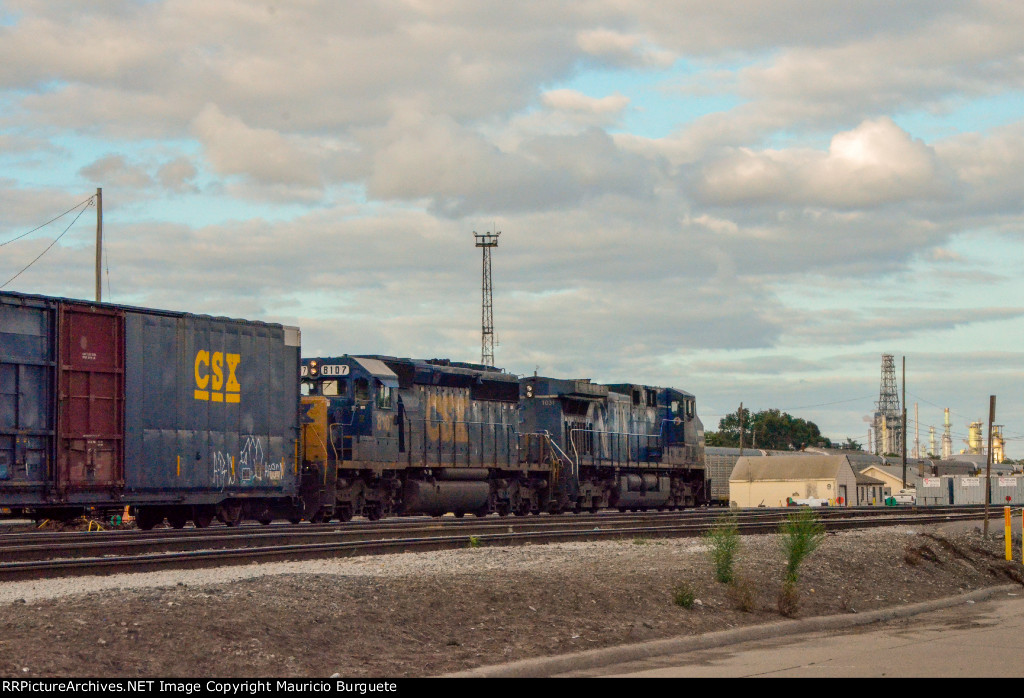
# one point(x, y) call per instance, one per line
point(752, 201)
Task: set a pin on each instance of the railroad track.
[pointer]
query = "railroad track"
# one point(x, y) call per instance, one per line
point(47, 555)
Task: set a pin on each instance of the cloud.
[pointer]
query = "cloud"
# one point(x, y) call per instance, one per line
point(177, 175)
point(573, 101)
point(622, 50)
point(116, 171)
point(874, 164)
point(264, 155)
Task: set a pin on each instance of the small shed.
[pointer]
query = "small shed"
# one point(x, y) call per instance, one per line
point(871, 491)
point(892, 475)
point(772, 481)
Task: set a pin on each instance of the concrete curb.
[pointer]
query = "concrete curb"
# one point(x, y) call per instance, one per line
point(548, 666)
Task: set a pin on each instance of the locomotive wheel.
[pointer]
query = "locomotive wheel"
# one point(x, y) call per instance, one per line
point(177, 517)
point(372, 512)
point(459, 514)
point(295, 519)
point(502, 509)
point(343, 513)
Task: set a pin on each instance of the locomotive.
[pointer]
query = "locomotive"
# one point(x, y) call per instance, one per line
point(189, 418)
point(388, 435)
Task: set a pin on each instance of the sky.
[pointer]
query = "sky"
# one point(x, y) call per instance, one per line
point(751, 200)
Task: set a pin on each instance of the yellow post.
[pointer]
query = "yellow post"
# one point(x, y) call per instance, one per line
point(1009, 538)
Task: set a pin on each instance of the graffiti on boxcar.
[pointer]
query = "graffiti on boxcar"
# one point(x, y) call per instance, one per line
point(246, 469)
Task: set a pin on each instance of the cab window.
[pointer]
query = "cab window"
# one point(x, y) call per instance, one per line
point(362, 389)
point(307, 388)
point(385, 396)
point(329, 388)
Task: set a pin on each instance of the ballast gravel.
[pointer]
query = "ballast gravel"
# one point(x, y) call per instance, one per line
point(421, 614)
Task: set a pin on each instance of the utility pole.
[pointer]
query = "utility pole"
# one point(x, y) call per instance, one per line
point(988, 460)
point(99, 244)
point(741, 428)
point(903, 430)
point(487, 241)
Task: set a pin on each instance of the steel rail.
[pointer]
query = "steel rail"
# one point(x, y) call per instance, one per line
point(10, 571)
point(41, 546)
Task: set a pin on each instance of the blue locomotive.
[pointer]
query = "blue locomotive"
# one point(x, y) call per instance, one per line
point(385, 435)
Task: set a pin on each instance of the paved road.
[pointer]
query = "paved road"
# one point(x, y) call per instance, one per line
point(970, 640)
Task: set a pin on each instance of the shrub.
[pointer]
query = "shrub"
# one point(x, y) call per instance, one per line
point(684, 595)
point(801, 533)
point(743, 594)
point(789, 599)
point(724, 540)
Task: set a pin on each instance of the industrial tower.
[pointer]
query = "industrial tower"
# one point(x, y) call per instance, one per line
point(888, 418)
point(486, 241)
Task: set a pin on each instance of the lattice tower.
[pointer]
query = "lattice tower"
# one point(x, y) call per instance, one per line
point(888, 418)
point(486, 241)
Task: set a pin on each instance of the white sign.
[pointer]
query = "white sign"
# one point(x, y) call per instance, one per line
point(303, 371)
point(931, 481)
point(1007, 482)
point(334, 370)
point(970, 482)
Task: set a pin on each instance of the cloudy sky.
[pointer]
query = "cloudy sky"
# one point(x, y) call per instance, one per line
point(749, 199)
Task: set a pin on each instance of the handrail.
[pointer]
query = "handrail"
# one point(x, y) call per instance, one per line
point(572, 440)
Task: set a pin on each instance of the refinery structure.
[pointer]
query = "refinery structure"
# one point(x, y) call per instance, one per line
point(889, 420)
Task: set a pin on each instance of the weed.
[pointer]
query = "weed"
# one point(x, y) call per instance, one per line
point(743, 594)
point(684, 595)
point(640, 541)
point(801, 533)
point(474, 542)
point(724, 539)
point(789, 599)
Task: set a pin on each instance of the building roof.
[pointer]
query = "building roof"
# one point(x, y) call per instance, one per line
point(896, 471)
point(802, 467)
point(727, 451)
point(863, 479)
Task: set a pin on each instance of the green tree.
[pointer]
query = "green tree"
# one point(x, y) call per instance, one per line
point(771, 429)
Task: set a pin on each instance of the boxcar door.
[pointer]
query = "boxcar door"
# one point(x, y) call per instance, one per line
point(27, 378)
point(91, 409)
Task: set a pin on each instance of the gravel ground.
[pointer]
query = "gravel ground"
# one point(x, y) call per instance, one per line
point(421, 614)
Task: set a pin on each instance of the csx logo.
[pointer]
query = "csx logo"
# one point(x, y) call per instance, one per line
point(210, 382)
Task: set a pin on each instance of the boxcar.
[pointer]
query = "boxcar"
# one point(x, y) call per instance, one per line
point(184, 416)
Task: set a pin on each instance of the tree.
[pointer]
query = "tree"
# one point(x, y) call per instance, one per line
point(771, 429)
point(851, 445)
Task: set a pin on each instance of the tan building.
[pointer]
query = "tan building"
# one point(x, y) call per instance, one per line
point(892, 477)
point(772, 481)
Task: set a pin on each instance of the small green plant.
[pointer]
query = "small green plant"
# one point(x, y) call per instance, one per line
point(802, 533)
point(724, 541)
point(474, 542)
point(684, 595)
point(640, 541)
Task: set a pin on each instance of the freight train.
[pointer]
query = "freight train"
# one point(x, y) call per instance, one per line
point(190, 418)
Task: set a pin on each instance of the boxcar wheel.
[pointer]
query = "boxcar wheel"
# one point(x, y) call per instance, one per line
point(148, 517)
point(230, 513)
point(177, 517)
point(202, 516)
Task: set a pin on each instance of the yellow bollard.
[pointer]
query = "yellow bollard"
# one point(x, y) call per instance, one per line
point(1009, 538)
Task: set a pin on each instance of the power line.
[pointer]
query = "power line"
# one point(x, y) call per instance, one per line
point(87, 201)
point(47, 249)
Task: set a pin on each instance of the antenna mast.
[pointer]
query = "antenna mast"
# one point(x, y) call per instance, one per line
point(486, 241)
